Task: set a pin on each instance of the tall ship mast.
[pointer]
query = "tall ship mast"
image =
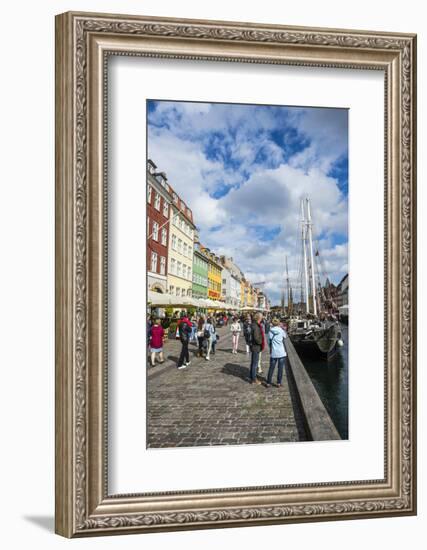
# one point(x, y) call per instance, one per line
point(313, 332)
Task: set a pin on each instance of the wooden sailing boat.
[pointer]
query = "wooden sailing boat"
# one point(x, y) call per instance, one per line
point(313, 331)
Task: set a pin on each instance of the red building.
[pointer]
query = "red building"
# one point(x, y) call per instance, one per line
point(158, 205)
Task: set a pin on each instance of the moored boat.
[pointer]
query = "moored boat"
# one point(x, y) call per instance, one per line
point(315, 331)
point(317, 339)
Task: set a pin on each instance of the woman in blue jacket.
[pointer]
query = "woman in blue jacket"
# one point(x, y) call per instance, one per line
point(276, 339)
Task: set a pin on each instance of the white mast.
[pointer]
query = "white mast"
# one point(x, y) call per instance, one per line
point(310, 237)
point(304, 239)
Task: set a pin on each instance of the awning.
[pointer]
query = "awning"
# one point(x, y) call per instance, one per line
point(156, 299)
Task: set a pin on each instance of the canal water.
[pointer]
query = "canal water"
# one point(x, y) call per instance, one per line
point(330, 378)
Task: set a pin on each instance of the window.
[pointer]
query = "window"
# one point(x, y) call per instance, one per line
point(148, 227)
point(155, 231)
point(162, 265)
point(179, 270)
point(189, 273)
point(189, 292)
point(165, 209)
point(173, 242)
point(185, 249)
point(178, 291)
point(173, 265)
point(171, 289)
point(175, 198)
point(164, 236)
point(149, 191)
point(180, 246)
point(182, 224)
point(153, 262)
point(224, 281)
point(190, 250)
point(157, 202)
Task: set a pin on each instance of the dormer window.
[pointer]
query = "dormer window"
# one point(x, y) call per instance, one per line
point(151, 167)
point(161, 178)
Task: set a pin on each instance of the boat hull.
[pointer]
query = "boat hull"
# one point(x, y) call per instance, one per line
point(317, 342)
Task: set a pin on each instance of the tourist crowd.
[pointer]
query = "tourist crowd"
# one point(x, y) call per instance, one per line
point(257, 331)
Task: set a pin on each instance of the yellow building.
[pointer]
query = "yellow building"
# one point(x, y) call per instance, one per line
point(214, 276)
point(180, 250)
point(242, 293)
point(250, 295)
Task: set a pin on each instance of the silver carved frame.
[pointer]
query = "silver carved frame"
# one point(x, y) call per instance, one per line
point(83, 43)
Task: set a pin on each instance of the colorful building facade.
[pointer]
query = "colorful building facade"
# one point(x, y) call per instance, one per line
point(181, 248)
point(158, 206)
point(214, 276)
point(200, 272)
point(176, 261)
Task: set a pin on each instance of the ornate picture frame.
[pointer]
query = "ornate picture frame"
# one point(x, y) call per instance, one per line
point(83, 43)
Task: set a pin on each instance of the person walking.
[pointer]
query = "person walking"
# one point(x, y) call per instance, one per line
point(247, 333)
point(265, 327)
point(209, 334)
point(278, 355)
point(184, 331)
point(193, 337)
point(235, 332)
point(257, 345)
point(215, 337)
point(157, 334)
point(200, 334)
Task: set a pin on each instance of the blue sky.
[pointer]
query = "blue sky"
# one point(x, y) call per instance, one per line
point(243, 170)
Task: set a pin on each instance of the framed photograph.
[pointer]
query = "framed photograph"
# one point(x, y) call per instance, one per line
point(235, 274)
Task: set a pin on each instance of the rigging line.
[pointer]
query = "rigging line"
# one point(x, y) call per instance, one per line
point(322, 264)
point(320, 257)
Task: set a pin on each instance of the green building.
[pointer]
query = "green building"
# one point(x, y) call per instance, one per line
point(200, 273)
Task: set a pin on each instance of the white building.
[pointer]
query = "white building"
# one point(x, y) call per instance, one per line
point(231, 279)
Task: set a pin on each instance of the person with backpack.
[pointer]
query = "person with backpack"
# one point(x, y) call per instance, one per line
point(184, 330)
point(247, 332)
point(209, 335)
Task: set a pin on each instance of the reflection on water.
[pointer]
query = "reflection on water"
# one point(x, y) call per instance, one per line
point(330, 378)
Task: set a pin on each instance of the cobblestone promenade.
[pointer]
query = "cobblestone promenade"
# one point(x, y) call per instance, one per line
point(212, 402)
